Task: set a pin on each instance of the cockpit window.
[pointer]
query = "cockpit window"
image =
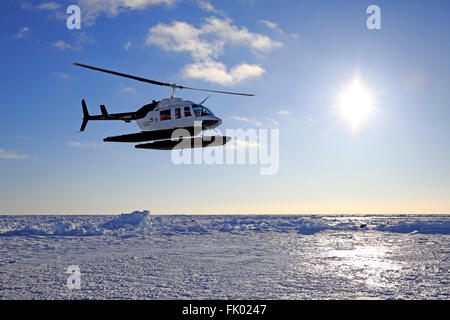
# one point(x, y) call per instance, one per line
point(201, 111)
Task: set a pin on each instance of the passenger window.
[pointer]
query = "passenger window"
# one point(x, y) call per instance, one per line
point(164, 115)
point(187, 111)
point(177, 113)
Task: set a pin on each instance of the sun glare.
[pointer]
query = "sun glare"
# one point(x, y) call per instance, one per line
point(356, 104)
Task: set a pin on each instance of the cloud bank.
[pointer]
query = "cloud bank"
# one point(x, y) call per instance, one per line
point(93, 8)
point(207, 43)
point(11, 155)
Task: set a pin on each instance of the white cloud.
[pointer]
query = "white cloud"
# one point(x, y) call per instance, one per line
point(231, 34)
point(49, 6)
point(206, 43)
point(12, 155)
point(81, 40)
point(242, 144)
point(255, 122)
point(83, 145)
point(207, 6)
point(127, 45)
point(181, 36)
point(275, 27)
point(284, 112)
point(62, 45)
point(244, 119)
point(244, 71)
point(56, 10)
point(23, 33)
point(271, 25)
point(240, 118)
point(245, 143)
point(60, 75)
point(216, 72)
point(53, 9)
point(129, 90)
point(93, 8)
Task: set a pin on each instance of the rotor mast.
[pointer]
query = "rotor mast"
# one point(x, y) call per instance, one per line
point(174, 87)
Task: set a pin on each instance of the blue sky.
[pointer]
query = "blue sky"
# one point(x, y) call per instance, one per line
point(296, 56)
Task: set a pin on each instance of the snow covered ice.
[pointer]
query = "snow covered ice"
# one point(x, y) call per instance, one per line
point(143, 256)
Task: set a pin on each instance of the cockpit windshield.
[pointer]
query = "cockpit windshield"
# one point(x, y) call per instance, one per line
point(201, 111)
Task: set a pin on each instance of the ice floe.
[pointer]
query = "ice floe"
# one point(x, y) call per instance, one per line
point(131, 220)
point(141, 222)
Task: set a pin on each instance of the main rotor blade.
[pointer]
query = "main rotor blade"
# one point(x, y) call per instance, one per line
point(157, 82)
point(224, 92)
point(125, 75)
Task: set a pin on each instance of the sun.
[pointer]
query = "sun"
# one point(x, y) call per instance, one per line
point(356, 104)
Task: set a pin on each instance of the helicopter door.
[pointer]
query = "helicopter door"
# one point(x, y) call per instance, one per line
point(177, 113)
point(165, 119)
point(179, 121)
point(187, 119)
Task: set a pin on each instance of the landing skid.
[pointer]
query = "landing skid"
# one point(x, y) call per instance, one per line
point(186, 143)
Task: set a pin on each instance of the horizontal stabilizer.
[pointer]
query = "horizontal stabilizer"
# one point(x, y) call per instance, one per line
point(186, 143)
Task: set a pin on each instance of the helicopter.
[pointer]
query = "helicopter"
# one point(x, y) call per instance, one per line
point(171, 123)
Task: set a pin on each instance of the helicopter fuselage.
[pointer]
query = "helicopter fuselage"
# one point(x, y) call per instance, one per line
point(175, 113)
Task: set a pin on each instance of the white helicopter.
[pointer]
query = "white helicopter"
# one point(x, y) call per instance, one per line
point(161, 121)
